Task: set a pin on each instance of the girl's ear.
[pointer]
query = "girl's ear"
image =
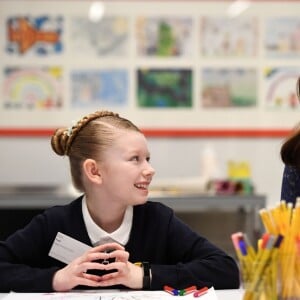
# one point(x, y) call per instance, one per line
point(91, 171)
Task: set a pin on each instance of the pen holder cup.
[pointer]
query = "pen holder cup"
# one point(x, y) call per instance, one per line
point(277, 278)
point(260, 279)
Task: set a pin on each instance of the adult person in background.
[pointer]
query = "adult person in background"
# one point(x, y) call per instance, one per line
point(290, 155)
point(143, 244)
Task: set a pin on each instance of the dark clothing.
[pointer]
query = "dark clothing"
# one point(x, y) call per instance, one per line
point(290, 187)
point(179, 257)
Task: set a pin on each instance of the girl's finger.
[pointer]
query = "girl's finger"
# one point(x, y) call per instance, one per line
point(84, 267)
point(119, 255)
point(97, 256)
point(107, 247)
point(109, 279)
point(87, 282)
point(119, 266)
point(92, 277)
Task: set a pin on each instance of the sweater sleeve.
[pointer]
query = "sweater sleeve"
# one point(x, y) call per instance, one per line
point(24, 261)
point(193, 260)
point(290, 186)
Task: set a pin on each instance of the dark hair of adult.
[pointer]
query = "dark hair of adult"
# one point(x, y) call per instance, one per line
point(290, 149)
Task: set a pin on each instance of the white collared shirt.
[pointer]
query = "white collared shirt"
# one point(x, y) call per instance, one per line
point(99, 236)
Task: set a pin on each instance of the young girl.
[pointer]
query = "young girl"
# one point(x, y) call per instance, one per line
point(146, 244)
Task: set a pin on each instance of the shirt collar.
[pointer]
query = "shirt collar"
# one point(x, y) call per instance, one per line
point(98, 236)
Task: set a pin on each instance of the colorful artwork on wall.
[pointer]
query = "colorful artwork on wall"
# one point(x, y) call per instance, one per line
point(192, 60)
point(32, 88)
point(158, 36)
point(40, 35)
point(99, 88)
point(282, 37)
point(223, 37)
point(107, 37)
point(281, 88)
point(229, 87)
point(162, 88)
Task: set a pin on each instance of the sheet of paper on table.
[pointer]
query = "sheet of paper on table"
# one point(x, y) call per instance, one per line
point(108, 295)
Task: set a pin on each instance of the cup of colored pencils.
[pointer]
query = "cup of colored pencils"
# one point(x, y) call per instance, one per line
point(272, 270)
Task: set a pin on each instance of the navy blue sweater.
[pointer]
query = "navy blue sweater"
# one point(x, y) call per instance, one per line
point(290, 186)
point(179, 257)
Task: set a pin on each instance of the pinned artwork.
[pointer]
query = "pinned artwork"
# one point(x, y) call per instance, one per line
point(32, 88)
point(36, 35)
point(163, 88)
point(281, 88)
point(200, 67)
point(227, 37)
point(99, 88)
point(282, 37)
point(229, 87)
point(164, 36)
point(107, 37)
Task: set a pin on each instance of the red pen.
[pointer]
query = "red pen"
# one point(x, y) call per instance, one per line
point(170, 290)
point(201, 292)
point(189, 290)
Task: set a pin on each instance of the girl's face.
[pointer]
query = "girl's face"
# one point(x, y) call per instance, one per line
point(126, 171)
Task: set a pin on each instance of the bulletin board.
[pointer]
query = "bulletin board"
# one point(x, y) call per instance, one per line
point(181, 68)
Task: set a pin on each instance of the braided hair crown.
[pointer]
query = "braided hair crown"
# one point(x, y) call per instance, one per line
point(62, 138)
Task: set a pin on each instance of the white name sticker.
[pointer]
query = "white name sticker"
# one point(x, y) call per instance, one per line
point(66, 249)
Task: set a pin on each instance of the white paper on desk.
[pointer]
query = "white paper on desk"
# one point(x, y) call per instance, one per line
point(66, 249)
point(104, 295)
point(50, 296)
point(155, 295)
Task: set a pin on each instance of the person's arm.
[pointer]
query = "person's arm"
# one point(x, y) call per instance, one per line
point(24, 260)
point(290, 186)
point(178, 256)
point(197, 262)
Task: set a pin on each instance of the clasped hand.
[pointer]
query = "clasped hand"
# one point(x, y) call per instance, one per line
point(75, 273)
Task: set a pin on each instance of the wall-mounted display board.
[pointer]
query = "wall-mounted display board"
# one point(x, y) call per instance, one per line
point(191, 66)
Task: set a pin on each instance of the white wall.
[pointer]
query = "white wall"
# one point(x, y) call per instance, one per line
point(31, 161)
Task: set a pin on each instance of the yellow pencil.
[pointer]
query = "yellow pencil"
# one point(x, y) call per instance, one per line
point(261, 263)
point(275, 261)
point(267, 221)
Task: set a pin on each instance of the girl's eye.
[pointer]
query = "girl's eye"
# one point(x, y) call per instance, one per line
point(137, 158)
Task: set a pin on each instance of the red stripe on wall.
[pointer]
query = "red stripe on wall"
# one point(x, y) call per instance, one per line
point(243, 133)
point(177, 133)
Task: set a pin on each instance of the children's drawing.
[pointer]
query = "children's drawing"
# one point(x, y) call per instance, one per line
point(32, 89)
point(229, 87)
point(281, 88)
point(36, 35)
point(282, 37)
point(158, 36)
point(164, 88)
point(99, 88)
point(229, 37)
point(99, 295)
point(107, 37)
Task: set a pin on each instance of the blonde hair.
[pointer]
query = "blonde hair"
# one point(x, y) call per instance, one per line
point(88, 138)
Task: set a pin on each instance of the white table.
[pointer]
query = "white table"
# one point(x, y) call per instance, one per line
point(221, 294)
point(230, 294)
